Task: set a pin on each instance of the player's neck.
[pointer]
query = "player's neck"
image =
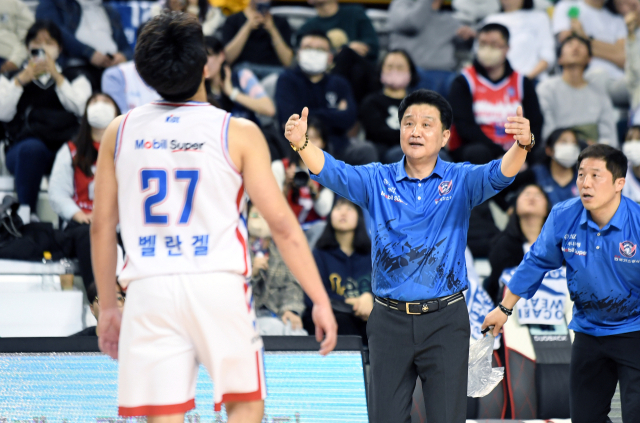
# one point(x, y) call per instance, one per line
point(201, 94)
point(604, 214)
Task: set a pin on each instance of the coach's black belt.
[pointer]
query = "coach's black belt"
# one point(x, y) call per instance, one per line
point(420, 307)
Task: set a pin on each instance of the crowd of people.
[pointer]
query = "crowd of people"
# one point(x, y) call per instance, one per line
point(68, 71)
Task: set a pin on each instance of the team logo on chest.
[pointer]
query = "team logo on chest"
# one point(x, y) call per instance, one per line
point(628, 249)
point(445, 187)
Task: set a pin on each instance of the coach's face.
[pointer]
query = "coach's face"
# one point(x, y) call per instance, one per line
point(596, 185)
point(421, 132)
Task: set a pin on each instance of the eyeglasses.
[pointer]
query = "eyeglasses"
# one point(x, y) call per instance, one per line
point(120, 298)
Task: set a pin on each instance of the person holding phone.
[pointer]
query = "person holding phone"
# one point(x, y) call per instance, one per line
point(40, 105)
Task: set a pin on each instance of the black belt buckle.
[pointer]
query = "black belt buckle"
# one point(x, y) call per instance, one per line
point(408, 309)
point(422, 308)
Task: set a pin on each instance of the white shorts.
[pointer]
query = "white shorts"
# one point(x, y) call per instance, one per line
point(170, 325)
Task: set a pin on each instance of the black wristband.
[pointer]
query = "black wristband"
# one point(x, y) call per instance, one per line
point(505, 310)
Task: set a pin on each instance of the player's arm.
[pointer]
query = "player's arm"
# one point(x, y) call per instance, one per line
point(249, 151)
point(104, 241)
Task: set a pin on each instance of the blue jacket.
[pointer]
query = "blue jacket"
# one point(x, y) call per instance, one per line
point(66, 14)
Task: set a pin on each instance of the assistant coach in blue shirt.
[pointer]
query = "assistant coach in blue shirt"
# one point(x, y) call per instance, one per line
point(597, 236)
point(419, 211)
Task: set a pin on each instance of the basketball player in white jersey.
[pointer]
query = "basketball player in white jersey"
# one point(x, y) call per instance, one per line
point(173, 174)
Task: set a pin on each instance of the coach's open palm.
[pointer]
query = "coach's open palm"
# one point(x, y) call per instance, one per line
point(296, 128)
point(108, 331)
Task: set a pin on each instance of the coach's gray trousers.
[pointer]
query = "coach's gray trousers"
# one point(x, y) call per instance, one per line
point(434, 346)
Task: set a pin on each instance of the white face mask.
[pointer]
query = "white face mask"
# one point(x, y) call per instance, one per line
point(566, 154)
point(312, 61)
point(489, 56)
point(631, 149)
point(100, 114)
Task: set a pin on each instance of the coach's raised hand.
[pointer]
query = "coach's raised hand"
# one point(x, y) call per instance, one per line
point(295, 130)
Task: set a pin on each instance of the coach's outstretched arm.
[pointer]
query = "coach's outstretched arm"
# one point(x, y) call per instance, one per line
point(249, 152)
point(295, 131)
point(513, 160)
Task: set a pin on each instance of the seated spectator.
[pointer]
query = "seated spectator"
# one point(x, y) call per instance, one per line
point(379, 111)
point(15, 22)
point(631, 149)
point(351, 19)
point(71, 182)
point(343, 256)
point(310, 201)
point(92, 34)
point(531, 43)
point(210, 17)
point(255, 38)
point(238, 92)
point(509, 247)
point(94, 306)
point(471, 12)
point(591, 20)
point(427, 34)
point(484, 96)
point(570, 101)
point(40, 106)
point(279, 299)
point(123, 83)
point(631, 12)
point(328, 97)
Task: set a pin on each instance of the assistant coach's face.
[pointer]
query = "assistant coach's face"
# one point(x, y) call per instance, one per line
point(421, 132)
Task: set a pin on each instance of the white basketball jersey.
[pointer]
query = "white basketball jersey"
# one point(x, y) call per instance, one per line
point(180, 197)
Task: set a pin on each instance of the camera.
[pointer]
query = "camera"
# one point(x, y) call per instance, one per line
point(38, 53)
point(300, 178)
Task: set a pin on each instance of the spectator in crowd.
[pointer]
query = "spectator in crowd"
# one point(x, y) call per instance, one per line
point(71, 182)
point(40, 106)
point(94, 306)
point(92, 34)
point(123, 83)
point(15, 22)
point(310, 201)
point(351, 19)
point(279, 299)
point(238, 92)
point(327, 95)
point(631, 149)
point(379, 112)
point(471, 12)
point(531, 43)
point(570, 100)
point(591, 20)
point(343, 256)
point(256, 38)
point(210, 17)
point(630, 9)
point(484, 95)
point(427, 34)
point(532, 207)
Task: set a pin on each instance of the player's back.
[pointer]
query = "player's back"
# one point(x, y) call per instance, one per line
point(180, 197)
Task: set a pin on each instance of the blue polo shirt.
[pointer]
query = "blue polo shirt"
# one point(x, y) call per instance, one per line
point(603, 266)
point(419, 227)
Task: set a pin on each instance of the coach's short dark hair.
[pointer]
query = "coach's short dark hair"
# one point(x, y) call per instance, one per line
point(496, 27)
point(432, 98)
point(170, 55)
point(615, 159)
point(44, 25)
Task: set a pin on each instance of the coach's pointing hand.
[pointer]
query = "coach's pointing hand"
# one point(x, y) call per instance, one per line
point(296, 128)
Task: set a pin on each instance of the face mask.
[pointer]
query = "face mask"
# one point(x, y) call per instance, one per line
point(396, 80)
point(489, 56)
point(566, 154)
point(631, 149)
point(100, 114)
point(312, 61)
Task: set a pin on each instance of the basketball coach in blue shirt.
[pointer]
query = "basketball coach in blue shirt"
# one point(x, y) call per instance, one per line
point(419, 211)
point(597, 235)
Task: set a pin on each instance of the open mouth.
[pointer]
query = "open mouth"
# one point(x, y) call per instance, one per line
point(587, 196)
point(415, 144)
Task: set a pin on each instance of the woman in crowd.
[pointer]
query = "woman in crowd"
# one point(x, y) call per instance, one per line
point(238, 92)
point(631, 149)
point(532, 207)
point(71, 187)
point(531, 44)
point(343, 256)
point(210, 17)
point(40, 104)
point(379, 111)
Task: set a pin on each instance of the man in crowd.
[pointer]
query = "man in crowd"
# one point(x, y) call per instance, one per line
point(596, 236)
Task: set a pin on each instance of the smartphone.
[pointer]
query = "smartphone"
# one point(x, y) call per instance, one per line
point(263, 8)
point(38, 54)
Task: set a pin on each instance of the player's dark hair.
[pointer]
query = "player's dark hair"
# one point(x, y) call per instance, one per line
point(170, 55)
point(44, 25)
point(314, 33)
point(615, 159)
point(496, 27)
point(432, 98)
point(361, 241)
point(412, 67)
